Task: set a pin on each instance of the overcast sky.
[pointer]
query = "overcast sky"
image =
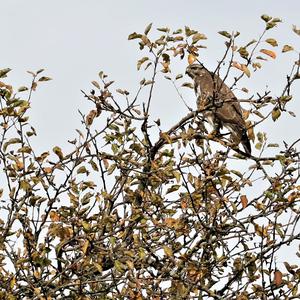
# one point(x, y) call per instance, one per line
point(73, 40)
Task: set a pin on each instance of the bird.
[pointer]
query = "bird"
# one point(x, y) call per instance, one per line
point(219, 104)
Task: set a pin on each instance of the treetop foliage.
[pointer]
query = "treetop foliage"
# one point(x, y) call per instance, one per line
point(137, 212)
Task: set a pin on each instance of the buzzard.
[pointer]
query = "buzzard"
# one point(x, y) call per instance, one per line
point(223, 108)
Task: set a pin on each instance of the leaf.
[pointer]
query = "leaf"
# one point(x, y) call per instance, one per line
point(173, 188)
point(188, 85)
point(163, 29)
point(134, 35)
point(197, 37)
point(3, 72)
point(275, 114)
point(277, 278)
point(268, 52)
point(10, 142)
point(45, 78)
point(148, 28)
point(243, 52)
point(225, 33)
point(178, 76)
point(244, 201)
point(287, 48)
point(246, 70)
point(266, 18)
point(168, 251)
point(81, 170)
point(85, 246)
point(58, 152)
point(296, 30)
point(191, 58)
point(54, 216)
point(141, 61)
point(22, 89)
point(96, 84)
point(272, 42)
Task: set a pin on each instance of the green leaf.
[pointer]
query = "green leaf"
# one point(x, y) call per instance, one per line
point(243, 52)
point(81, 170)
point(275, 114)
point(266, 18)
point(225, 33)
point(22, 89)
point(3, 72)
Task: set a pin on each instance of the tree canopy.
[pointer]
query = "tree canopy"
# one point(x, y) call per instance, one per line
point(137, 212)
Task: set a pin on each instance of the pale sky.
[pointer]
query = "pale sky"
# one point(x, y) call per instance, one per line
point(73, 40)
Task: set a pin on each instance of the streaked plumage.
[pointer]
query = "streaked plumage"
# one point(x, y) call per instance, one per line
point(223, 108)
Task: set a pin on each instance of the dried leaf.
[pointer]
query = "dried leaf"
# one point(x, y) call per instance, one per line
point(197, 37)
point(191, 58)
point(272, 42)
point(287, 48)
point(244, 201)
point(245, 70)
point(269, 53)
point(277, 278)
point(141, 61)
point(148, 28)
point(134, 35)
point(296, 30)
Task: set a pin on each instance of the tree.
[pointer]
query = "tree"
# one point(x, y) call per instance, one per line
point(135, 212)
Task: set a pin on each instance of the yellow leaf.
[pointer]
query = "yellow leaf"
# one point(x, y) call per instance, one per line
point(246, 70)
point(191, 58)
point(269, 53)
point(85, 246)
point(168, 251)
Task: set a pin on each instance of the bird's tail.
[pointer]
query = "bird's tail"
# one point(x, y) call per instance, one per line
point(245, 142)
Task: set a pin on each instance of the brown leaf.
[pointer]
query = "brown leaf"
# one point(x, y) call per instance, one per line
point(268, 52)
point(277, 278)
point(287, 48)
point(244, 201)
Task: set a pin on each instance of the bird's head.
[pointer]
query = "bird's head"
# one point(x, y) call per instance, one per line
point(195, 70)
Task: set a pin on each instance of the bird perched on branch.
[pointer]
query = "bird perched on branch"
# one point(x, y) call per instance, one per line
point(220, 106)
